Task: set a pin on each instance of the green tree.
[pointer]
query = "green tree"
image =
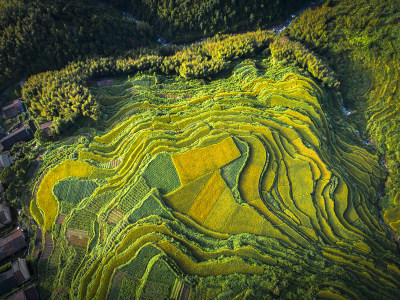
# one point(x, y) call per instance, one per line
point(41, 136)
point(7, 175)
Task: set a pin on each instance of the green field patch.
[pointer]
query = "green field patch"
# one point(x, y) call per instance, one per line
point(133, 194)
point(82, 219)
point(150, 205)
point(73, 190)
point(162, 273)
point(128, 288)
point(160, 173)
point(231, 172)
point(155, 290)
point(138, 265)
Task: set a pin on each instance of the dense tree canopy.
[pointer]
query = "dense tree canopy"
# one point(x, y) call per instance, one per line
point(187, 20)
point(42, 35)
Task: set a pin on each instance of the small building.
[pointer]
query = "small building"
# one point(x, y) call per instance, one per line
point(17, 275)
point(16, 136)
point(46, 126)
point(12, 244)
point(29, 293)
point(5, 215)
point(5, 161)
point(1, 188)
point(14, 109)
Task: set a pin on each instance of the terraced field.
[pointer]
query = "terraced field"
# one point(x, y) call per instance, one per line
point(239, 187)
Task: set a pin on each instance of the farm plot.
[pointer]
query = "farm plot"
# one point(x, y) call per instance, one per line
point(239, 180)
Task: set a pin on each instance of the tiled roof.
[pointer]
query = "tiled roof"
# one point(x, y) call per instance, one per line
point(18, 135)
point(11, 244)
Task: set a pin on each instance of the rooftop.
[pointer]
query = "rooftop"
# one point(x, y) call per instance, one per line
point(11, 244)
point(21, 134)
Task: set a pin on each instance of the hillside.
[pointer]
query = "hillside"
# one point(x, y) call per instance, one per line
point(241, 186)
point(361, 40)
point(244, 165)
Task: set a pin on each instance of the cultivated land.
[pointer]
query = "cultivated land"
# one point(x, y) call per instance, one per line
point(249, 165)
point(245, 185)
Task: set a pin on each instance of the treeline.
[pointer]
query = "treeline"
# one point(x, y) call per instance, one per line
point(42, 35)
point(362, 41)
point(189, 20)
point(284, 49)
point(63, 96)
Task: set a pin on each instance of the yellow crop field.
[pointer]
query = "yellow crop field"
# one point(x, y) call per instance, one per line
point(283, 186)
point(35, 212)
point(329, 295)
point(341, 195)
point(307, 152)
point(208, 196)
point(92, 156)
point(221, 212)
point(102, 281)
point(393, 269)
point(214, 137)
point(189, 222)
point(392, 215)
point(109, 137)
point(301, 185)
point(198, 161)
point(45, 199)
point(396, 200)
point(228, 266)
point(244, 219)
point(319, 198)
point(165, 126)
point(249, 181)
point(183, 198)
point(363, 247)
point(303, 130)
point(250, 178)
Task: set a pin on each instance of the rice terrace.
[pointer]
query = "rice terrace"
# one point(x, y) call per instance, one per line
point(197, 156)
point(238, 179)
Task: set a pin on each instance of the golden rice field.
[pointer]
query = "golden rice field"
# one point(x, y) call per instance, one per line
point(239, 187)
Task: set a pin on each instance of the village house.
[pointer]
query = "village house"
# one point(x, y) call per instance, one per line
point(46, 126)
point(5, 161)
point(29, 293)
point(19, 135)
point(14, 109)
point(5, 215)
point(17, 275)
point(12, 244)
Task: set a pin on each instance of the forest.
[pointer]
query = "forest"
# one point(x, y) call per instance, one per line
point(36, 36)
point(183, 21)
point(194, 153)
